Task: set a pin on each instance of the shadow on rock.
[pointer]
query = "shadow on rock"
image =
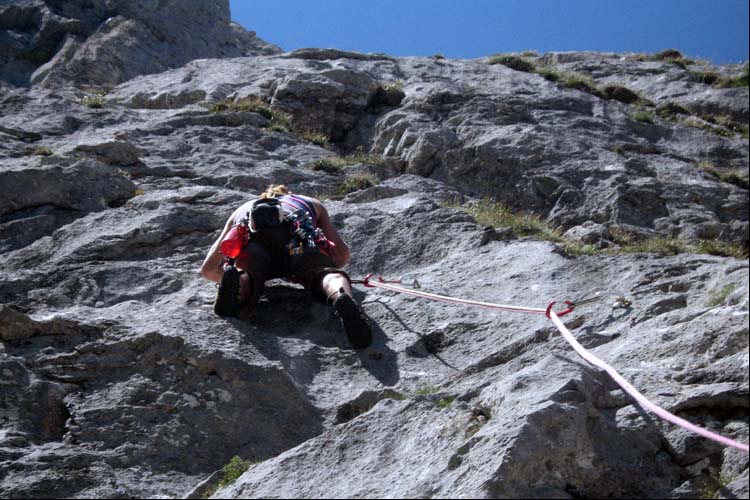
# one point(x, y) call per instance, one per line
point(287, 312)
point(379, 359)
point(427, 345)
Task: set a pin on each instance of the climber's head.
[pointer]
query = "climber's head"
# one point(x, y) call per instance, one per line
point(274, 191)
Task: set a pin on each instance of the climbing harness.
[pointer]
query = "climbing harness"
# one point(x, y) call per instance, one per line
point(620, 301)
point(302, 233)
point(305, 238)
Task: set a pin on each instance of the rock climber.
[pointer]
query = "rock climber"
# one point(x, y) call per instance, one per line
point(289, 236)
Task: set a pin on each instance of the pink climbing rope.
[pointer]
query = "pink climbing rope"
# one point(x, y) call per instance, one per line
point(381, 283)
point(555, 318)
point(661, 412)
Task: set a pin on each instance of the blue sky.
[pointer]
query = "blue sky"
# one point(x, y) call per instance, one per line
point(716, 30)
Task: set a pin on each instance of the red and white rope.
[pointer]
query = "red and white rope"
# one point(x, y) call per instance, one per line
point(555, 318)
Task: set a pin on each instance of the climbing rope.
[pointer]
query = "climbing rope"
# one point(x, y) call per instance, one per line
point(621, 301)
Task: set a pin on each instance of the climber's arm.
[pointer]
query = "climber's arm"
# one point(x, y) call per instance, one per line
point(211, 267)
point(342, 255)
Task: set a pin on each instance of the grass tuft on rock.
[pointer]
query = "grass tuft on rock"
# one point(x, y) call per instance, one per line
point(705, 77)
point(328, 165)
point(643, 116)
point(445, 403)
point(513, 62)
point(578, 81)
point(334, 164)
point(731, 176)
point(743, 80)
point(92, 101)
point(317, 138)
point(425, 391)
point(661, 245)
point(670, 110)
point(622, 94)
point(354, 183)
point(280, 121)
point(666, 246)
point(40, 151)
point(668, 55)
point(713, 484)
point(491, 213)
point(728, 123)
point(233, 470)
point(548, 73)
point(720, 248)
point(673, 56)
point(488, 212)
point(720, 125)
point(718, 296)
point(393, 87)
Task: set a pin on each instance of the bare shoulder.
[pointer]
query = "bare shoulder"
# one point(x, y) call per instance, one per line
point(320, 209)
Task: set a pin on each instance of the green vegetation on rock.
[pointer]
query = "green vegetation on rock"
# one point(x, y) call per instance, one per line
point(513, 62)
point(335, 164)
point(491, 213)
point(317, 138)
point(92, 101)
point(355, 183)
point(40, 151)
point(280, 121)
point(731, 176)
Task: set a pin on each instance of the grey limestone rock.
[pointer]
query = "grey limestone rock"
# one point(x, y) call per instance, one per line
point(738, 488)
point(117, 380)
point(106, 42)
point(564, 153)
point(590, 233)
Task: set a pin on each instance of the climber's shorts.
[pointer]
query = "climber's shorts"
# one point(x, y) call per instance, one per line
point(307, 270)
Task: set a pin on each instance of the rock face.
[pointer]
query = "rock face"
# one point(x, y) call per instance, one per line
point(493, 131)
point(118, 380)
point(105, 42)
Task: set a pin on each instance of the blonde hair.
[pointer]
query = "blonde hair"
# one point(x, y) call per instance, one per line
point(275, 190)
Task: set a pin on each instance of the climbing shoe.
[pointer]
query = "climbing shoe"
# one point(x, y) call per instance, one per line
point(227, 301)
point(357, 328)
